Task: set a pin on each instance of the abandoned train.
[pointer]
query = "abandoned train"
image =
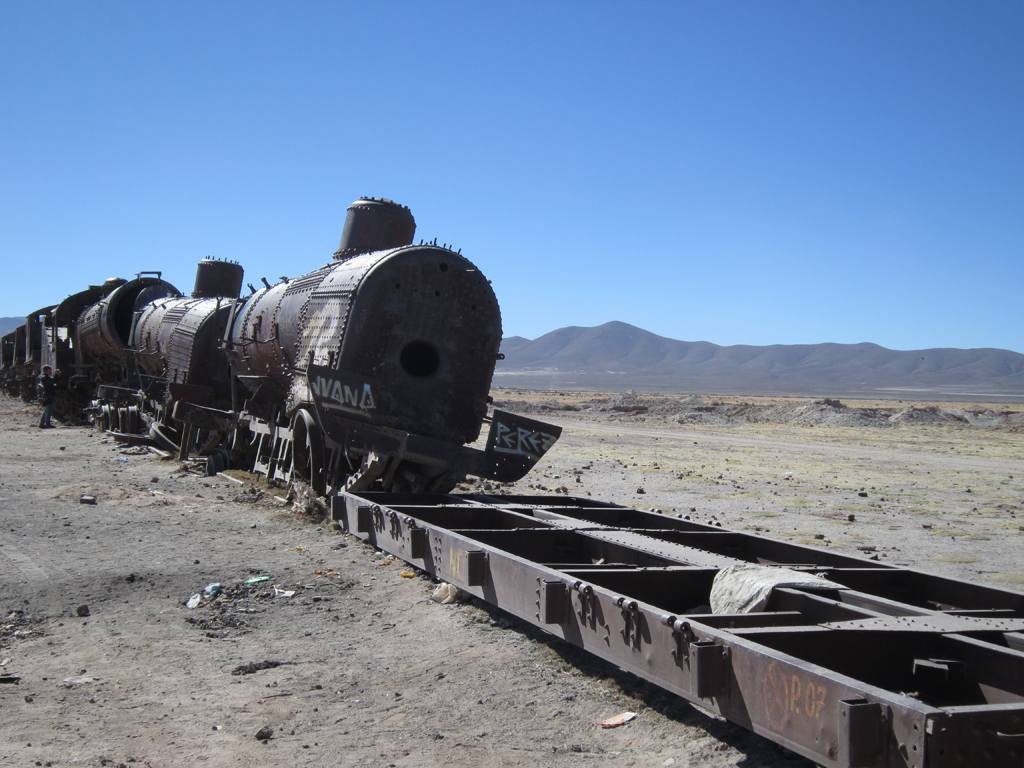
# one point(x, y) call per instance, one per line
point(370, 372)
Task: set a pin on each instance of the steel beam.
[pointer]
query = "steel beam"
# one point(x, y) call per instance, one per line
point(897, 669)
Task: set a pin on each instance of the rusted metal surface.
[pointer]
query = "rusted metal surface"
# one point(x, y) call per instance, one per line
point(103, 333)
point(380, 361)
point(263, 339)
point(896, 668)
point(423, 322)
point(216, 278)
point(375, 224)
point(7, 345)
point(177, 340)
point(58, 342)
point(8, 364)
point(37, 325)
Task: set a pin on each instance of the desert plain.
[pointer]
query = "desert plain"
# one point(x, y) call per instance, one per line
point(336, 652)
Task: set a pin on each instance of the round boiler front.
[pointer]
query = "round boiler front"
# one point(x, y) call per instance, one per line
point(422, 325)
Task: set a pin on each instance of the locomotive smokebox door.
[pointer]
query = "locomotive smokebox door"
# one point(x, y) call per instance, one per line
point(515, 444)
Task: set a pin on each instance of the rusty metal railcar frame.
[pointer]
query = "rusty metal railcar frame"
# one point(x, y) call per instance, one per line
point(898, 668)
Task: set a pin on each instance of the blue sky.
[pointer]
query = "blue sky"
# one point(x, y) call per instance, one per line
point(742, 172)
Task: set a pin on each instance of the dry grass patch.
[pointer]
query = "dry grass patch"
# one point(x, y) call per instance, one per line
point(750, 495)
point(798, 501)
point(1012, 578)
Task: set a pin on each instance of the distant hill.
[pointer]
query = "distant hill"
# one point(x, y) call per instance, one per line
point(617, 356)
point(512, 342)
point(8, 324)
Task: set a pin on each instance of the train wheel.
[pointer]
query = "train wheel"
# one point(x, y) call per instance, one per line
point(133, 419)
point(308, 451)
point(216, 462)
point(165, 437)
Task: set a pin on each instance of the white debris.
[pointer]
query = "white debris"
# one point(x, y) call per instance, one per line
point(446, 594)
point(79, 680)
point(746, 588)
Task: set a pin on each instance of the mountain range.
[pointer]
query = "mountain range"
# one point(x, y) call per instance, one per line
point(617, 356)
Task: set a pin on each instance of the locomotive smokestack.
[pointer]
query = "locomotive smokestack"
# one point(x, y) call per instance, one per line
point(217, 278)
point(375, 224)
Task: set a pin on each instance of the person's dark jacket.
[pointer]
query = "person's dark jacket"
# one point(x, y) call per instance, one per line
point(49, 386)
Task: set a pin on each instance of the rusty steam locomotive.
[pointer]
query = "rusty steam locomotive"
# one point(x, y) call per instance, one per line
point(370, 372)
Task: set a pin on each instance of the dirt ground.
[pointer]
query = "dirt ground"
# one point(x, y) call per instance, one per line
point(915, 484)
point(358, 667)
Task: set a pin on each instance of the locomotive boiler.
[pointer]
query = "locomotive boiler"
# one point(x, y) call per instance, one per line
point(370, 372)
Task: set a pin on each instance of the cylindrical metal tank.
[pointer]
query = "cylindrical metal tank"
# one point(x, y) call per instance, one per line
point(375, 224)
point(217, 278)
point(267, 328)
point(178, 340)
point(104, 330)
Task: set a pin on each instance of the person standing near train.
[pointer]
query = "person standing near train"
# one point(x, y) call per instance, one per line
point(48, 383)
